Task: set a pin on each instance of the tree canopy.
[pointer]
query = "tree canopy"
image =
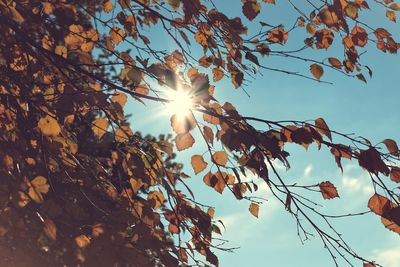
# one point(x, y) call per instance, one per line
point(80, 187)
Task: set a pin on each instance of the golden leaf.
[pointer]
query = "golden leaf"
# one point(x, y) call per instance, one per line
point(38, 187)
point(49, 126)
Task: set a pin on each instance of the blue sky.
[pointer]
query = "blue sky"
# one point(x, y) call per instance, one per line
point(349, 106)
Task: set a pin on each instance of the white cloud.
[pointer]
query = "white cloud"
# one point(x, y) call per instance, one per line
point(388, 257)
point(356, 182)
point(307, 170)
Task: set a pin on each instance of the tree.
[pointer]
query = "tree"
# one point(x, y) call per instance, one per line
point(80, 187)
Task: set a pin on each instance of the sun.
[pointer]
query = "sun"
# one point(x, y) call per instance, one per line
point(181, 103)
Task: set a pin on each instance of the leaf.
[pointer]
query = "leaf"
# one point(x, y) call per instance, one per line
point(99, 127)
point(322, 128)
point(251, 8)
point(157, 197)
point(335, 62)
point(174, 4)
point(125, 4)
point(328, 190)
point(311, 28)
point(117, 34)
point(220, 158)
point(38, 187)
point(123, 133)
point(50, 229)
point(198, 163)
point(82, 241)
point(119, 98)
point(49, 126)
point(136, 184)
point(208, 134)
point(108, 6)
point(254, 209)
point(379, 204)
point(184, 141)
point(317, 71)
point(395, 174)
point(218, 74)
point(391, 146)
point(391, 15)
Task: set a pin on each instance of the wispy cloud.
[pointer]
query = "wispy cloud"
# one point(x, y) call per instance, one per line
point(389, 257)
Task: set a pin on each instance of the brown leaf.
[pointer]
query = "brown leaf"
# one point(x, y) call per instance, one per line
point(380, 204)
point(328, 190)
point(395, 174)
point(184, 141)
point(208, 134)
point(198, 163)
point(254, 209)
point(317, 71)
point(322, 127)
point(391, 145)
point(391, 15)
point(335, 62)
point(220, 158)
point(251, 8)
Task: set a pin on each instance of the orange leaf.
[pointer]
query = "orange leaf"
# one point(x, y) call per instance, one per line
point(99, 127)
point(220, 158)
point(198, 163)
point(38, 187)
point(335, 62)
point(184, 141)
point(254, 209)
point(50, 229)
point(380, 204)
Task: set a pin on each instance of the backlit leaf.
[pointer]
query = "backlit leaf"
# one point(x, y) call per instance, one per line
point(220, 158)
point(254, 209)
point(391, 146)
point(49, 126)
point(38, 187)
point(184, 141)
point(198, 163)
point(251, 8)
point(99, 127)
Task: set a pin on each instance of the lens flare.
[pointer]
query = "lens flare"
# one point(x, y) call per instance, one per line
point(181, 103)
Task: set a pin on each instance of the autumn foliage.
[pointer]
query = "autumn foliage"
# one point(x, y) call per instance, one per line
point(80, 187)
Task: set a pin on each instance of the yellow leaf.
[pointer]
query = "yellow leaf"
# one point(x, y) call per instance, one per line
point(49, 126)
point(254, 209)
point(198, 163)
point(99, 127)
point(218, 74)
point(38, 187)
